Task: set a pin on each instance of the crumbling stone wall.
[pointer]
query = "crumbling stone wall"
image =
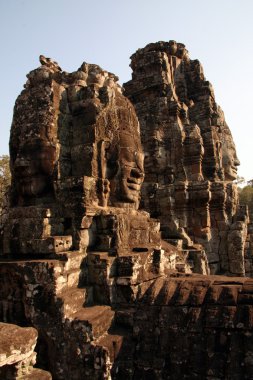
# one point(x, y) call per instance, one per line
point(191, 326)
point(197, 327)
point(44, 298)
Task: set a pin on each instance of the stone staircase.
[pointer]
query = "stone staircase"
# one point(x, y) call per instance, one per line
point(90, 295)
point(190, 259)
point(96, 290)
point(76, 279)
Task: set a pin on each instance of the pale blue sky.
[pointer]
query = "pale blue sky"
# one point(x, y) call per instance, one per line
point(217, 32)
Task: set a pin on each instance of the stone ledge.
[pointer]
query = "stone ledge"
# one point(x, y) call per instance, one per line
point(16, 343)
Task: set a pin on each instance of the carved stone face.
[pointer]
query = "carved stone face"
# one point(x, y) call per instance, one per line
point(230, 160)
point(131, 167)
point(125, 171)
point(125, 160)
point(33, 168)
point(96, 75)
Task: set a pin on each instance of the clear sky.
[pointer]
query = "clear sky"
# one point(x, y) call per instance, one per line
point(217, 32)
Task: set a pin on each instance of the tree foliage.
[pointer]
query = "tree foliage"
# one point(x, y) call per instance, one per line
point(246, 197)
point(240, 180)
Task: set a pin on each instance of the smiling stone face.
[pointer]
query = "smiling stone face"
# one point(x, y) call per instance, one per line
point(123, 155)
point(128, 176)
point(230, 161)
point(33, 141)
point(33, 168)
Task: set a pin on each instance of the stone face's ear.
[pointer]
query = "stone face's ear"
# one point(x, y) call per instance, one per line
point(103, 146)
point(103, 181)
point(230, 161)
point(112, 161)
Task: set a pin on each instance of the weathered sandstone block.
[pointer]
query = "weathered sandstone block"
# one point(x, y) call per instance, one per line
point(17, 356)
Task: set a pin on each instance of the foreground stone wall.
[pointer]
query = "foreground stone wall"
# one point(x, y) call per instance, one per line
point(193, 327)
point(167, 327)
point(40, 295)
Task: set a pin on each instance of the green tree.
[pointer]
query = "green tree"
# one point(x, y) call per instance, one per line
point(240, 180)
point(250, 182)
point(246, 197)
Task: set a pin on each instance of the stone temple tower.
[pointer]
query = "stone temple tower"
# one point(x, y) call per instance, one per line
point(190, 157)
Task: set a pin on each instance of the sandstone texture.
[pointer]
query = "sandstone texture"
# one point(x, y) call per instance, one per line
point(190, 157)
point(197, 327)
point(17, 355)
point(115, 279)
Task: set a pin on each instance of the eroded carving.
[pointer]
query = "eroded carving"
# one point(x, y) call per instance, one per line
point(190, 157)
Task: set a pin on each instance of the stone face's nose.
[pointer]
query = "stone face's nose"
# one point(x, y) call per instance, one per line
point(21, 165)
point(20, 161)
point(237, 161)
point(136, 173)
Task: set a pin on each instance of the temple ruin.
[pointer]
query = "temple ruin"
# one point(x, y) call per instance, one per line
point(125, 245)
